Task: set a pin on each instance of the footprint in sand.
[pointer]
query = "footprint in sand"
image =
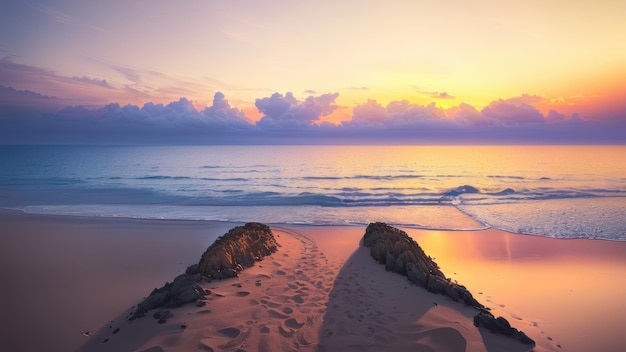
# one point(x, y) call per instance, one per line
point(273, 304)
point(280, 272)
point(302, 340)
point(275, 314)
point(242, 293)
point(284, 332)
point(293, 324)
point(298, 299)
point(229, 332)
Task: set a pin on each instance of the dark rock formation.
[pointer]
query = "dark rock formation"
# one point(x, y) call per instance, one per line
point(225, 258)
point(401, 254)
point(184, 289)
point(500, 325)
point(236, 250)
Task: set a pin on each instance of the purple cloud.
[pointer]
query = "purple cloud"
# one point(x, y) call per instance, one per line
point(468, 115)
point(397, 114)
point(287, 112)
point(174, 123)
point(554, 117)
point(222, 114)
point(25, 117)
point(511, 112)
point(370, 114)
point(93, 81)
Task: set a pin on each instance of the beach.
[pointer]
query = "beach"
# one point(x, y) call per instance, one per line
point(66, 276)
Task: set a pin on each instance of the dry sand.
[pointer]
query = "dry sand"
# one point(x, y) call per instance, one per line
point(320, 292)
point(61, 276)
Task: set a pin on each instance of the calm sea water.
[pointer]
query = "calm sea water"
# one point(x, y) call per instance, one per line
point(570, 192)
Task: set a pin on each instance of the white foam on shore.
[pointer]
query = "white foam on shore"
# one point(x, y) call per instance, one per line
point(427, 217)
point(592, 218)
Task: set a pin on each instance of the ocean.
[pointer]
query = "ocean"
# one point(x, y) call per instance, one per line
point(553, 191)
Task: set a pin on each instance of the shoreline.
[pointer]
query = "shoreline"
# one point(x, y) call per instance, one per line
point(486, 227)
point(57, 266)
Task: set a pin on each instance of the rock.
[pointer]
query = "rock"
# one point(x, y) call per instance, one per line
point(401, 254)
point(184, 289)
point(416, 276)
point(386, 242)
point(225, 258)
point(437, 284)
point(164, 316)
point(236, 250)
point(453, 291)
point(500, 325)
point(192, 269)
point(390, 261)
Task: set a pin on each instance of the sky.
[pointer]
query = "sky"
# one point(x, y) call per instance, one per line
point(209, 71)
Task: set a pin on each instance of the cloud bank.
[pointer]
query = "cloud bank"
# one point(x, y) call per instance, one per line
point(29, 117)
point(286, 112)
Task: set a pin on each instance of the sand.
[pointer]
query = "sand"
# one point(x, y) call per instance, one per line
point(319, 292)
point(567, 293)
point(62, 276)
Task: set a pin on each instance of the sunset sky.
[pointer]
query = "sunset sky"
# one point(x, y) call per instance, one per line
point(343, 64)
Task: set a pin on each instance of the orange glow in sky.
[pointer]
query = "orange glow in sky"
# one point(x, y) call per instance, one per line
point(566, 56)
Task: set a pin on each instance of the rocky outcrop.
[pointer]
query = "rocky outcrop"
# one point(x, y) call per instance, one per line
point(236, 250)
point(225, 258)
point(184, 289)
point(401, 254)
point(500, 325)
